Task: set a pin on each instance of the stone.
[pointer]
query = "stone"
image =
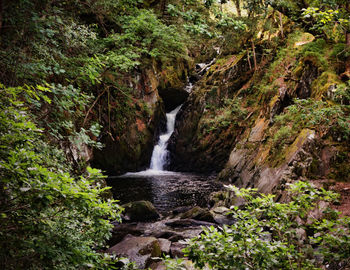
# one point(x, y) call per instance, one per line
point(198, 213)
point(167, 234)
point(182, 223)
point(220, 217)
point(164, 245)
point(181, 209)
point(176, 250)
point(258, 131)
point(122, 230)
point(220, 210)
point(172, 97)
point(140, 211)
point(141, 250)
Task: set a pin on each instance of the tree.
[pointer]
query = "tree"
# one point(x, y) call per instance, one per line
point(50, 219)
point(326, 14)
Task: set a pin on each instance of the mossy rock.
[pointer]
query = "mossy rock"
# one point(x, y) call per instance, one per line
point(198, 213)
point(324, 84)
point(140, 211)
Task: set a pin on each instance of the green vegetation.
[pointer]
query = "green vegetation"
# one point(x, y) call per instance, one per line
point(75, 75)
point(50, 218)
point(273, 235)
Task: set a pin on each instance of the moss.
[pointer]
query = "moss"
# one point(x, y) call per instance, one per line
point(341, 168)
point(315, 52)
point(283, 155)
point(313, 171)
point(299, 141)
point(323, 83)
point(273, 101)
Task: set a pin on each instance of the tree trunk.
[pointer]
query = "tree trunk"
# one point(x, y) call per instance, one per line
point(254, 56)
point(1, 13)
point(281, 24)
point(346, 74)
point(238, 7)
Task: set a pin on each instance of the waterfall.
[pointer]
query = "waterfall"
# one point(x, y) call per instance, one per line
point(160, 152)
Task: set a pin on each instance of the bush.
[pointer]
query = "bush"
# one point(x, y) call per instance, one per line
point(273, 235)
point(49, 218)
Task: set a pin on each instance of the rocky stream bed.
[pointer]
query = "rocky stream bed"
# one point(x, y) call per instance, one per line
point(161, 211)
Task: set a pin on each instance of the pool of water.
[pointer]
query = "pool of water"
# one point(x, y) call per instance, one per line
point(166, 190)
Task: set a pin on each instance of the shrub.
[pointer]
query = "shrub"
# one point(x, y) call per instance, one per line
point(274, 235)
point(49, 218)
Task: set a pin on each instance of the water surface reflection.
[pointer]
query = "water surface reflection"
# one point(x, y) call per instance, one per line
point(166, 190)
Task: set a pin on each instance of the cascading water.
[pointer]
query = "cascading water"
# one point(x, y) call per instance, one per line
point(165, 189)
point(160, 152)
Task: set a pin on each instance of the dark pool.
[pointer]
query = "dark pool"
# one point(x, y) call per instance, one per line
point(166, 190)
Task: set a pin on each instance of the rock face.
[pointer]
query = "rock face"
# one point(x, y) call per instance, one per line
point(132, 120)
point(242, 169)
point(266, 128)
point(138, 249)
point(140, 211)
point(172, 97)
point(205, 134)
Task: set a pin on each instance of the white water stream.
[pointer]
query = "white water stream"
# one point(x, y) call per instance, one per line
point(160, 153)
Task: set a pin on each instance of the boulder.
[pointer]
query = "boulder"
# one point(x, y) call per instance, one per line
point(183, 223)
point(220, 217)
point(176, 250)
point(140, 211)
point(198, 213)
point(164, 245)
point(141, 250)
point(122, 230)
point(181, 209)
point(170, 235)
point(172, 97)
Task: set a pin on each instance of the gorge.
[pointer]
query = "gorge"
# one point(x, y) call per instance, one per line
point(174, 134)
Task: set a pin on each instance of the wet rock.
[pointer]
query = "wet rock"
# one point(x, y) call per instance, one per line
point(173, 97)
point(309, 74)
point(137, 249)
point(176, 250)
point(168, 235)
point(220, 210)
point(181, 209)
point(122, 230)
point(220, 217)
point(198, 213)
point(164, 245)
point(181, 223)
point(140, 211)
point(176, 238)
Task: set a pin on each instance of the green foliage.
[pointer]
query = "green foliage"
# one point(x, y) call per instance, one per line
point(175, 264)
point(342, 94)
point(280, 137)
point(231, 115)
point(318, 115)
point(49, 218)
point(327, 16)
point(195, 22)
point(62, 119)
point(273, 235)
point(143, 37)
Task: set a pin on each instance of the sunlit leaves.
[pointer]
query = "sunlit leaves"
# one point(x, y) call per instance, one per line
point(274, 235)
point(50, 219)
